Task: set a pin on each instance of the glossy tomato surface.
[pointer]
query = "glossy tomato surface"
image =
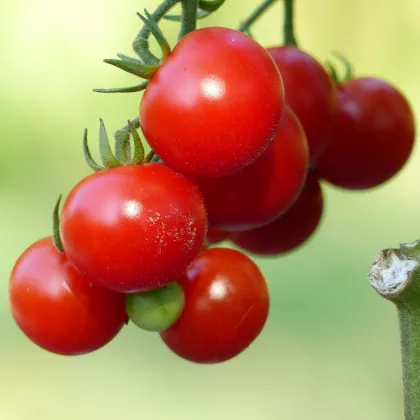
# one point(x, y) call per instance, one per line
point(310, 93)
point(226, 307)
point(373, 136)
point(133, 228)
point(289, 231)
point(215, 104)
point(264, 190)
point(58, 308)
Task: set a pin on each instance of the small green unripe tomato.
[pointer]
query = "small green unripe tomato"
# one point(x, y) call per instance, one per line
point(156, 310)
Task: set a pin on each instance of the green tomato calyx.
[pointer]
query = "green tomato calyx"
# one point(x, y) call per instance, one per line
point(123, 155)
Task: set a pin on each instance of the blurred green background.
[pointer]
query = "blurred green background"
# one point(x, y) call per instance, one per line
point(330, 349)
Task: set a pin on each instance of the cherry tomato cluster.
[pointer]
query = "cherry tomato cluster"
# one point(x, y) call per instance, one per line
point(241, 137)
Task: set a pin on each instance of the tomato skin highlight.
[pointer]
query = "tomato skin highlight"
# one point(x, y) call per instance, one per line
point(372, 138)
point(226, 307)
point(264, 190)
point(289, 231)
point(215, 104)
point(57, 307)
point(310, 93)
point(133, 228)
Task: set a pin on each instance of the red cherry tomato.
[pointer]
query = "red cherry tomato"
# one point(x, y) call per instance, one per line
point(133, 228)
point(310, 93)
point(226, 307)
point(264, 190)
point(215, 104)
point(372, 138)
point(215, 236)
point(291, 230)
point(57, 307)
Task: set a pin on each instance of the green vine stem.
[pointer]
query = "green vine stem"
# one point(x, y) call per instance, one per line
point(188, 17)
point(246, 24)
point(395, 275)
point(289, 23)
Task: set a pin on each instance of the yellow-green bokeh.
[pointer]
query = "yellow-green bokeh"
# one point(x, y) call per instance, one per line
point(330, 349)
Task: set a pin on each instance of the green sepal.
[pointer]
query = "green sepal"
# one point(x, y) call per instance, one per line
point(128, 89)
point(141, 44)
point(122, 140)
point(88, 156)
point(332, 72)
point(201, 14)
point(155, 158)
point(138, 155)
point(56, 226)
point(157, 33)
point(127, 58)
point(145, 71)
point(135, 122)
point(349, 70)
point(108, 158)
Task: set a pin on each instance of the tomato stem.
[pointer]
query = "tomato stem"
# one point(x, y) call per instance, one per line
point(255, 15)
point(395, 275)
point(289, 27)
point(188, 17)
point(56, 226)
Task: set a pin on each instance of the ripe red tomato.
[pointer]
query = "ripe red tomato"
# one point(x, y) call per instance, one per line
point(226, 307)
point(289, 231)
point(310, 93)
point(372, 138)
point(215, 104)
point(133, 228)
point(264, 190)
point(215, 236)
point(57, 307)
